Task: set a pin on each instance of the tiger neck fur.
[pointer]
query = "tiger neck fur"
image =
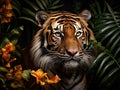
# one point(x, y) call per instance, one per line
point(76, 81)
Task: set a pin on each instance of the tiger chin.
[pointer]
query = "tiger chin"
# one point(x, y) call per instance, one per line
point(61, 47)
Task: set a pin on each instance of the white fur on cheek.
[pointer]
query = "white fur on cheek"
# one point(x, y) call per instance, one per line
point(43, 61)
point(39, 60)
point(35, 50)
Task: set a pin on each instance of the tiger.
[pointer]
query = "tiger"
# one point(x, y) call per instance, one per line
point(60, 47)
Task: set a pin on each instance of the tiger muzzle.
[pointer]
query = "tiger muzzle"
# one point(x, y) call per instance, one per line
point(70, 43)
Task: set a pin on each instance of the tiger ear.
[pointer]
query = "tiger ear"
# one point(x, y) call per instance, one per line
point(86, 15)
point(41, 17)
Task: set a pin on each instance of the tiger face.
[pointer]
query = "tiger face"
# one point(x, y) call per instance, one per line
point(61, 43)
point(61, 47)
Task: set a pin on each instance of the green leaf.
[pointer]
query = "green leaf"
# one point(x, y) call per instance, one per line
point(55, 2)
point(16, 6)
point(44, 4)
point(26, 74)
point(101, 55)
point(31, 4)
point(15, 34)
point(100, 69)
point(105, 29)
point(117, 41)
point(3, 69)
point(40, 4)
point(112, 13)
point(29, 19)
point(55, 7)
point(2, 80)
point(109, 34)
point(117, 52)
point(107, 78)
point(113, 38)
point(0, 16)
point(4, 41)
point(29, 12)
point(105, 68)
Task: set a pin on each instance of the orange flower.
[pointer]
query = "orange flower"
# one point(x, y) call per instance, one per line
point(5, 11)
point(39, 74)
point(9, 47)
point(17, 68)
point(9, 75)
point(8, 63)
point(43, 78)
point(8, 6)
point(18, 72)
point(15, 73)
point(55, 79)
point(5, 54)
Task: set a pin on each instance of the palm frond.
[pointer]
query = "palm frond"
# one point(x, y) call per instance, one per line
point(106, 26)
point(30, 8)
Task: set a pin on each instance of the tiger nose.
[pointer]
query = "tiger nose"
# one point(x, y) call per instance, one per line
point(71, 52)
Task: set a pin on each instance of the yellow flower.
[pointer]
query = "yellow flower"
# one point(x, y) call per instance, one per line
point(40, 75)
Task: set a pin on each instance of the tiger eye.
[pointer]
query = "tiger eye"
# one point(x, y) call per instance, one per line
point(78, 33)
point(58, 34)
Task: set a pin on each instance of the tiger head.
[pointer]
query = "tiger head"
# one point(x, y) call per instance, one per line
point(61, 43)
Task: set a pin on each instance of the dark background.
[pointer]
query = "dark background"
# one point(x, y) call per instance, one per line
point(104, 73)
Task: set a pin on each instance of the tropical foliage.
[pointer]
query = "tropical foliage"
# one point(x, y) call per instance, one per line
point(106, 26)
point(18, 26)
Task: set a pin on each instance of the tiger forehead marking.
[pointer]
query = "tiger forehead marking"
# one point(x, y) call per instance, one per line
point(59, 23)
